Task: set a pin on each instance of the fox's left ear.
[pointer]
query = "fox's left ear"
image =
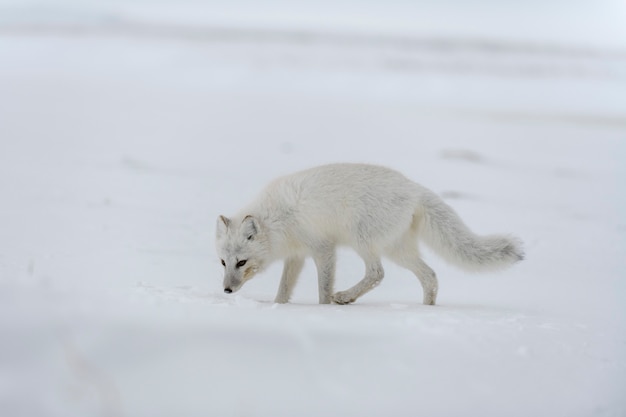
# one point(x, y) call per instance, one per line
point(223, 223)
point(250, 227)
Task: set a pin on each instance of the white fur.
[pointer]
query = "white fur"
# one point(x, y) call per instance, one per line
point(374, 210)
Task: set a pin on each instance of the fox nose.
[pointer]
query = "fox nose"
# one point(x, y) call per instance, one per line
point(227, 290)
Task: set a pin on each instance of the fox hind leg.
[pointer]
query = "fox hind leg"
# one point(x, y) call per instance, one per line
point(374, 274)
point(406, 254)
point(427, 278)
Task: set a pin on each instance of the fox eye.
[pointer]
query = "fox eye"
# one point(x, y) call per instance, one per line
point(241, 263)
point(250, 237)
point(223, 263)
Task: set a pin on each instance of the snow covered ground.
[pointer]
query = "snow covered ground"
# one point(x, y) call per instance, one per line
point(126, 128)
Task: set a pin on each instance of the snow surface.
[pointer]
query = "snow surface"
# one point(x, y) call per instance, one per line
point(126, 128)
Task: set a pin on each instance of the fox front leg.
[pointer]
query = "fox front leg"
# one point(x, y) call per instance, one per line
point(291, 271)
point(325, 260)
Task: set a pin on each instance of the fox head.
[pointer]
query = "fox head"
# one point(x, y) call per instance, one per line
point(241, 247)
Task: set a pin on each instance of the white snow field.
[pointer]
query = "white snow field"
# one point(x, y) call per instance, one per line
point(126, 128)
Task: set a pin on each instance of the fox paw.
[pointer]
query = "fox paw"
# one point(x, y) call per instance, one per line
point(343, 297)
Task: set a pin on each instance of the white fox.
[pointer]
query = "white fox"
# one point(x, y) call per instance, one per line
point(374, 210)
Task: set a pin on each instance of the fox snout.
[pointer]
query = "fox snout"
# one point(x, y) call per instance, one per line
point(233, 282)
point(231, 285)
point(234, 279)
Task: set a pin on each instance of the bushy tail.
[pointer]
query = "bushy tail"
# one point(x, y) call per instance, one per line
point(444, 231)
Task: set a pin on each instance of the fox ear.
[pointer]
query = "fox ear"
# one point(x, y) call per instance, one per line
point(250, 227)
point(223, 223)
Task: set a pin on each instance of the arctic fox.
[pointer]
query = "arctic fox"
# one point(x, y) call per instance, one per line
point(374, 210)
